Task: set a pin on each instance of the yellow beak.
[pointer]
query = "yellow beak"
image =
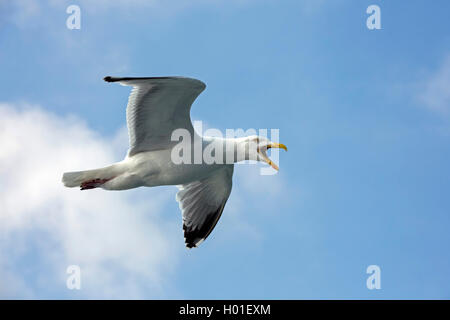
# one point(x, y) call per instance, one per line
point(275, 145)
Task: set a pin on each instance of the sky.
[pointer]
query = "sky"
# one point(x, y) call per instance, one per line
point(364, 113)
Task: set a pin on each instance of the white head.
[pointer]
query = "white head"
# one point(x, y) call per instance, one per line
point(255, 148)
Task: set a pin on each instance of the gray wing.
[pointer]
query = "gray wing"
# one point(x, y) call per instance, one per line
point(202, 203)
point(156, 107)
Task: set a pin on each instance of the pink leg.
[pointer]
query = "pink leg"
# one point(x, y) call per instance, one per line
point(91, 184)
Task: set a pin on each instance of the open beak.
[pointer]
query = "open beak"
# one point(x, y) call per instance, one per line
point(266, 158)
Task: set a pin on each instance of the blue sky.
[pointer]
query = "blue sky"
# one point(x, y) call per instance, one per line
point(365, 115)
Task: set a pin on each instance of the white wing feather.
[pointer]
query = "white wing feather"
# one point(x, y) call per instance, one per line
point(156, 107)
point(202, 203)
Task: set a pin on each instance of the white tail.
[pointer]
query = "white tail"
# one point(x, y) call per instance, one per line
point(90, 179)
point(75, 179)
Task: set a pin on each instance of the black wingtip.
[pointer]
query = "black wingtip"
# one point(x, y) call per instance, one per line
point(109, 79)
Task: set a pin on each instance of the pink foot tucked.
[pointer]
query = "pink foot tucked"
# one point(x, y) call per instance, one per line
point(91, 184)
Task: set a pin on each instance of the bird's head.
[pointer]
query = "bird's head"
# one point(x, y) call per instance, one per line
point(256, 149)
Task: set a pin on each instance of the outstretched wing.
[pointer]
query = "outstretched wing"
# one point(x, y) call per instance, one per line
point(202, 203)
point(156, 107)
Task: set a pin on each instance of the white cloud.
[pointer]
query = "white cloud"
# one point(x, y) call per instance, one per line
point(124, 246)
point(45, 227)
point(435, 94)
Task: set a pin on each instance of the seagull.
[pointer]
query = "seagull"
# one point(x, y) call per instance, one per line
point(157, 107)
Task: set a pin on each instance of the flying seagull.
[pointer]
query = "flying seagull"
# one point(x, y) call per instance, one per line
point(157, 106)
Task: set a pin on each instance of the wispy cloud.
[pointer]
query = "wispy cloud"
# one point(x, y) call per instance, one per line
point(435, 93)
point(125, 248)
point(118, 239)
point(26, 13)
